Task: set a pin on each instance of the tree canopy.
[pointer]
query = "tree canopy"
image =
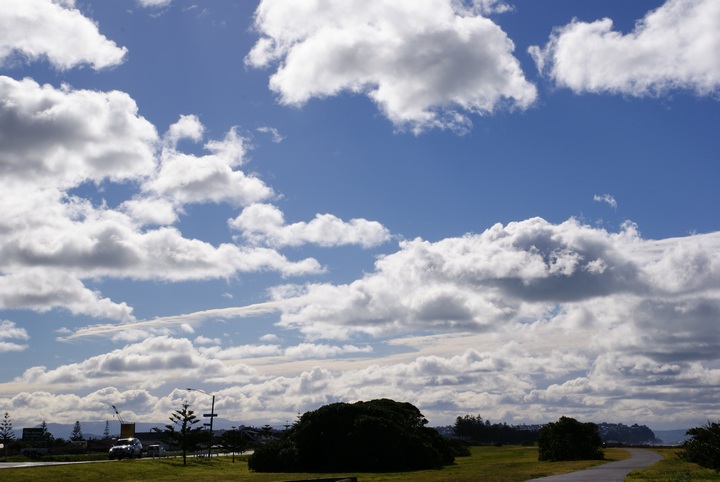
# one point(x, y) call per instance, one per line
point(379, 435)
point(568, 439)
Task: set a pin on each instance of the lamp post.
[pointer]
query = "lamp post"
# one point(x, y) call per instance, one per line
point(212, 415)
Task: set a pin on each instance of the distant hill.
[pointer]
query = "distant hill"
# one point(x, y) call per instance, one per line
point(620, 433)
point(671, 437)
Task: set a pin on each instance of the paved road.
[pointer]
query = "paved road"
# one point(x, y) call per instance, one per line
point(22, 465)
point(610, 472)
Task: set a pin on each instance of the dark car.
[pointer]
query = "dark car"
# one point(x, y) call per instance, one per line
point(126, 448)
point(155, 451)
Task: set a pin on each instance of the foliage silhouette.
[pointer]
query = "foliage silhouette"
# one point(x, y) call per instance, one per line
point(379, 435)
point(76, 432)
point(188, 436)
point(703, 446)
point(568, 439)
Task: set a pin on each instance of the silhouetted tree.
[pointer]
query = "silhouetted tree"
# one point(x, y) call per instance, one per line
point(233, 441)
point(379, 435)
point(703, 446)
point(46, 435)
point(188, 436)
point(6, 432)
point(568, 439)
point(76, 434)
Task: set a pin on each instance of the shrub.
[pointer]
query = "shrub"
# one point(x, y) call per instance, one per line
point(703, 446)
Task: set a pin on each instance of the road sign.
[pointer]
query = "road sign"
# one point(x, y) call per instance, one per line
point(210, 414)
point(32, 434)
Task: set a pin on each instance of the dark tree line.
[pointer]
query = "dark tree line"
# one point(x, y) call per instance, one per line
point(473, 429)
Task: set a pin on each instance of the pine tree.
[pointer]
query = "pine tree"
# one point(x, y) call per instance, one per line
point(76, 432)
point(46, 435)
point(188, 436)
point(6, 433)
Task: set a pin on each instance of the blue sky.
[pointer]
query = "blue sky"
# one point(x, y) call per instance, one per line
point(488, 207)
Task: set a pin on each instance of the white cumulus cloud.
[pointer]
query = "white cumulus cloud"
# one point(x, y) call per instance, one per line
point(11, 335)
point(56, 31)
point(425, 63)
point(672, 47)
point(265, 224)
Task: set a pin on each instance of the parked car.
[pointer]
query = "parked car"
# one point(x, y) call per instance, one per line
point(155, 451)
point(126, 448)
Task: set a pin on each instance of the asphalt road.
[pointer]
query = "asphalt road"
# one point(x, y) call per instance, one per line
point(610, 472)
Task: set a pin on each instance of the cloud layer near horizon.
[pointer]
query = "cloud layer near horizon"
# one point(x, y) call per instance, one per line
point(532, 314)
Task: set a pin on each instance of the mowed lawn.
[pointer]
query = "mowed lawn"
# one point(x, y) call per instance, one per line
point(487, 464)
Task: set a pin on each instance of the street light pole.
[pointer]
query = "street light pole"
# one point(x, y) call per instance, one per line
point(211, 415)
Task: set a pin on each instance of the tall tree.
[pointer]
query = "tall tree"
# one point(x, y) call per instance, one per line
point(46, 435)
point(6, 432)
point(76, 434)
point(188, 436)
point(106, 432)
point(233, 441)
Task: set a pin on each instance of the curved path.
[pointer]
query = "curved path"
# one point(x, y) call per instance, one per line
point(610, 472)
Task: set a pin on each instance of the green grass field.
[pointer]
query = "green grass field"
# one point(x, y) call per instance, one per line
point(487, 464)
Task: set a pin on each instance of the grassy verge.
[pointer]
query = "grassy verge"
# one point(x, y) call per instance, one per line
point(487, 464)
point(672, 469)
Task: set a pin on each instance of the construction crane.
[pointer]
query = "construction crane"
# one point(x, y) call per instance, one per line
point(118, 415)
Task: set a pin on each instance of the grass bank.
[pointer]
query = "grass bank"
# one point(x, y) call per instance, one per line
point(487, 464)
point(672, 469)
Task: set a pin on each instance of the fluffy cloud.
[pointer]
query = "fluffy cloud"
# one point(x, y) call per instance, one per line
point(186, 178)
point(43, 289)
point(673, 47)
point(66, 137)
point(265, 224)
point(56, 31)
point(506, 274)
point(427, 64)
point(10, 334)
point(525, 273)
point(515, 377)
point(524, 322)
point(149, 363)
point(55, 145)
